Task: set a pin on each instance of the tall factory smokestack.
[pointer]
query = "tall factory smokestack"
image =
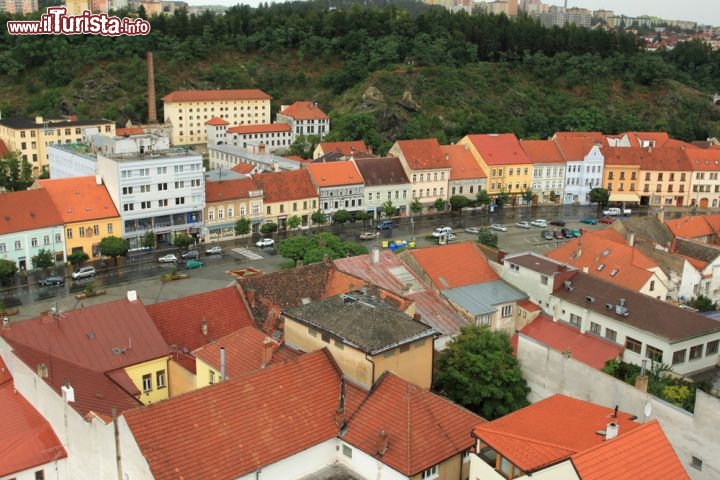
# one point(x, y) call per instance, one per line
point(152, 111)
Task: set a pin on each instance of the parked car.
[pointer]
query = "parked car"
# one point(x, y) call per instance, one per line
point(589, 221)
point(368, 235)
point(169, 258)
point(217, 249)
point(522, 224)
point(540, 222)
point(558, 234)
point(193, 263)
point(607, 220)
point(190, 254)
point(473, 230)
point(566, 233)
point(558, 223)
point(450, 237)
point(575, 232)
point(498, 228)
point(265, 242)
point(385, 225)
point(84, 272)
point(546, 235)
point(441, 231)
point(51, 281)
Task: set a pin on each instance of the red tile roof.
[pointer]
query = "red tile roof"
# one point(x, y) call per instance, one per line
point(27, 440)
point(641, 454)
point(215, 95)
point(550, 430)
point(79, 199)
point(423, 429)
point(126, 132)
point(454, 265)
point(637, 138)
point(499, 149)
point(304, 111)
point(180, 321)
point(609, 249)
point(576, 145)
point(333, 174)
point(223, 191)
point(260, 128)
point(245, 352)
point(346, 148)
point(587, 348)
point(462, 163)
point(689, 226)
point(246, 423)
point(528, 305)
point(243, 167)
point(27, 210)
point(424, 154)
point(542, 151)
point(703, 159)
point(286, 185)
point(216, 122)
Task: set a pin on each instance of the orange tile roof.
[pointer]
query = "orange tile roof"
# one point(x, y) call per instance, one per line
point(423, 154)
point(180, 321)
point(215, 95)
point(714, 221)
point(542, 151)
point(550, 430)
point(304, 110)
point(462, 164)
point(608, 248)
point(78, 199)
point(286, 185)
point(423, 429)
point(644, 453)
point(244, 352)
point(576, 145)
point(334, 174)
point(217, 121)
point(27, 440)
point(702, 159)
point(126, 132)
point(698, 264)
point(587, 348)
point(222, 191)
point(243, 167)
point(528, 305)
point(248, 422)
point(651, 159)
point(454, 265)
point(689, 226)
point(636, 138)
point(499, 148)
point(260, 128)
point(27, 210)
point(346, 148)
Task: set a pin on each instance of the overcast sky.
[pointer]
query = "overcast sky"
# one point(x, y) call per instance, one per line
point(702, 11)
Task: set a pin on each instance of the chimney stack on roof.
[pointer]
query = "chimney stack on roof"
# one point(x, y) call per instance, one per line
point(267, 351)
point(152, 110)
point(223, 364)
point(383, 443)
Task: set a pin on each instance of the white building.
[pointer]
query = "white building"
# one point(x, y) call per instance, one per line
point(584, 164)
point(304, 118)
point(228, 156)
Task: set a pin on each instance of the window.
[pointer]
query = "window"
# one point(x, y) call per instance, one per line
point(506, 310)
point(127, 190)
point(46, 240)
point(712, 347)
point(128, 207)
point(144, 205)
point(696, 352)
point(347, 451)
point(180, 184)
point(696, 463)
point(163, 202)
point(611, 334)
point(160, 378)
point(679, 356)
point(575, 319)
point(543, 279)
point(653, 353)
point(18, 245)
point(633, 345)
point(180, 201)
point(338, 344)
point(162, 186)
point(68, 233)
point(40, 474)
point(595, 328)
point(431, 472)
point(652, 285)
point(161, 170)
point(147, 383)
point(211, 376)
point(33, 242)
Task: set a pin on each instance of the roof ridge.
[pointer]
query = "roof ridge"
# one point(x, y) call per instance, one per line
point(523, 438)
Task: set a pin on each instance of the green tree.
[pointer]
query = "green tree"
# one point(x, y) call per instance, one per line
point(487, 237)
point(295, 247)
point(78, 257)
point(363, 216)
point(600, 196)
point(242, 226)
point(527, 196)
point(703, 303)
point(15, 172)
point(293, 222)
point(183, 241)
point(304, 146)
point(268, 228)
point(388, 208)
point(8, 269)
point(457, 203)
point(439, 204)
point(483, 198)
point(114, 247)
point(416, 206)
point(149, 239)
point(341, 216)
point(503, 198)
point(479, 371)
point(44, 259)
point(318, 218)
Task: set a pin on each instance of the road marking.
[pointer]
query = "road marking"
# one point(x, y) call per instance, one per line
point(247, 253)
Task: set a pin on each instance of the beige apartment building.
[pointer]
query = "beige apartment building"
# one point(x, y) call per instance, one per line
point(188, 111)
point(427, 168)
point(32, 136)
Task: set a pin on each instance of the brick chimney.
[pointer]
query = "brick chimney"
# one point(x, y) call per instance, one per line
point(267, 351)
point(152, 111)
point(383, 442)
point(250, 296)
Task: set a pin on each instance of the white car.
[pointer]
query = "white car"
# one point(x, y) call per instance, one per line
point(84, 272)
point(441, 231)
point(265, 242)
point(473, 230)
point(523, 224)
point(539, 223)
point(169, 258)
point(497, 227)
point(214, 250)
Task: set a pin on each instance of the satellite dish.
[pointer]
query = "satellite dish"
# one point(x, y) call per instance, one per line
point(648, 409)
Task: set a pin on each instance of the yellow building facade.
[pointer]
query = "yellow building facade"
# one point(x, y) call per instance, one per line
point(151, 379)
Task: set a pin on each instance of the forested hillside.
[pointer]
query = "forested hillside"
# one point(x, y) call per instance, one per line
point(382, 72)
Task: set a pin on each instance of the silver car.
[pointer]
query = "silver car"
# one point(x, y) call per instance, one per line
point(497, 227)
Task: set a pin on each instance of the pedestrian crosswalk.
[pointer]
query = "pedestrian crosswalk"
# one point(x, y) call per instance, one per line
point(247, 253)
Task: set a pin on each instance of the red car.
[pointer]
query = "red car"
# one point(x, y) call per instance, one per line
point(607, 220)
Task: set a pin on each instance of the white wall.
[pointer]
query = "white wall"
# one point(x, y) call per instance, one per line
point(548, 372)
point(368, 466)
point(300, 464)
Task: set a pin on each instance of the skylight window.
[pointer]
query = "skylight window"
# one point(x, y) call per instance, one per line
point(614, 272)
point(606, 252)
point(600, 267)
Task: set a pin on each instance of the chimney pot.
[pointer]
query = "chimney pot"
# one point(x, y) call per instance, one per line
point(383, 443)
